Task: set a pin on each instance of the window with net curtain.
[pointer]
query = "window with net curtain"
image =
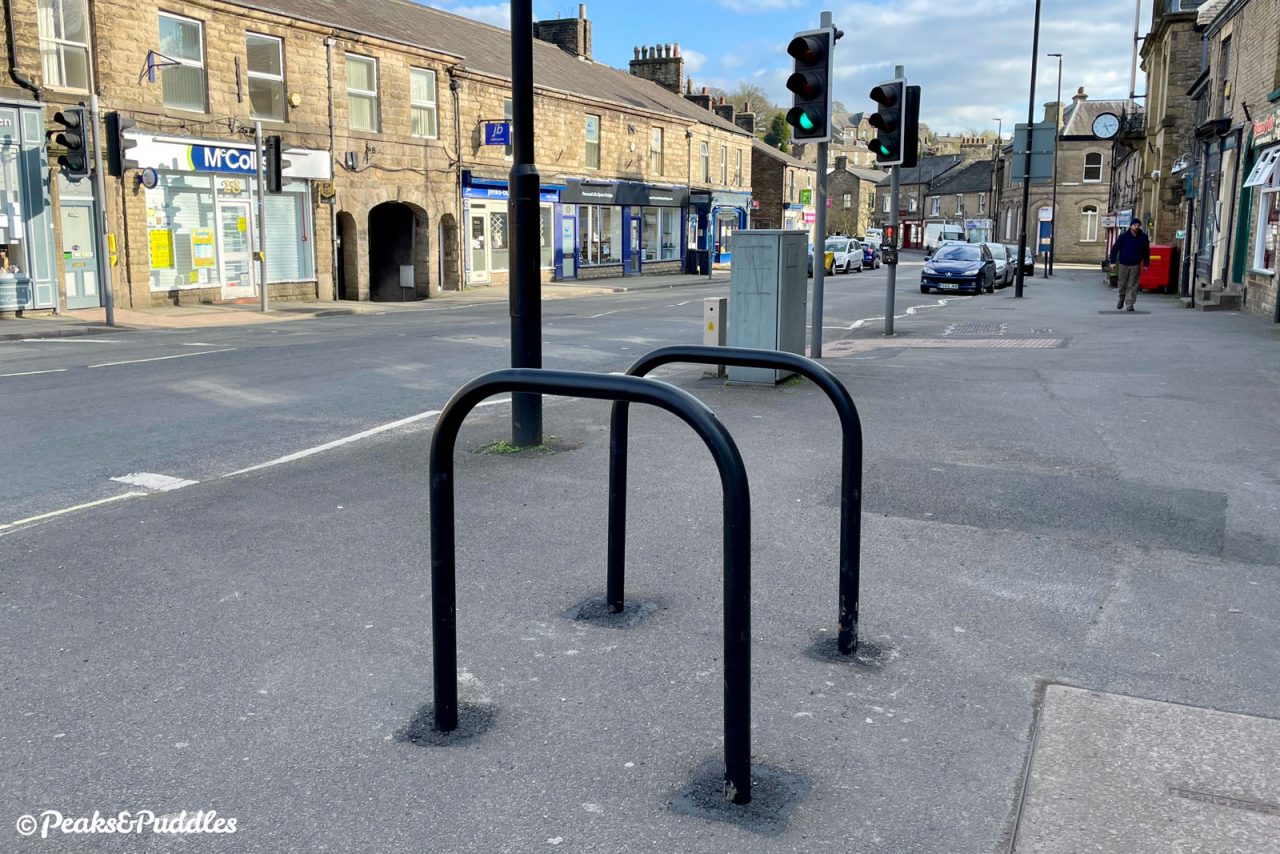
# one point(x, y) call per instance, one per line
point(64, 43)
point(422, 100)
point(182, 41)
point(362, 93)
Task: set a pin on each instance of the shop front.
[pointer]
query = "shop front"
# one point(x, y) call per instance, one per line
point(201, 217)
point(620, 229)
point(717, 216)
point(27, 273)
point(487, 226)
point(1260, 217)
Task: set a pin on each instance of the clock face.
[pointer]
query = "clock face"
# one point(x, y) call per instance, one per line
point(1106, 125)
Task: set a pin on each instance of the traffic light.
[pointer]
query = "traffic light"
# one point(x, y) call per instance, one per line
point(272, 164)
point(73, 137)
point(118, 145)
point(911, 128)
point(810, 85)
point(890, 97)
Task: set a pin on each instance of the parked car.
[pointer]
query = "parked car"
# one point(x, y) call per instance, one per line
point(830, 261)
point(959, 267)
point(848, 254)
point(1005, 266)
point(1028, 258)
point(870, 256)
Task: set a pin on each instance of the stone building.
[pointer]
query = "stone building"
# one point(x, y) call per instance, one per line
point(1084, 170)
point(391, 118)
point(1171, 60)
point(963, 195)
point(852, 190)
point(914, 188)
point(1236, 223)
point(782, 190)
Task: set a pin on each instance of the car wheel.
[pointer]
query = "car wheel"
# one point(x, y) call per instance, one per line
point(991, 285)
point(924, 289)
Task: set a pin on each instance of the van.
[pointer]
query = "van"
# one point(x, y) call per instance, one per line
point(937, 233)
point(875, 236)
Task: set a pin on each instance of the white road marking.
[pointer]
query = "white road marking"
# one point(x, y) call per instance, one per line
point(858, 324)
point(195, 344)
point(71, 340)
point(354, 437)
point(154, 482)
point(51, 514)
point(162, 358)
point(33, 373)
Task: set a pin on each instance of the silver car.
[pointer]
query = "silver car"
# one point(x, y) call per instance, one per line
point(1004, 269)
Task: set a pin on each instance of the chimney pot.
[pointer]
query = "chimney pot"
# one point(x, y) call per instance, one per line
point(637, 52)
point(704, 90)
point(676, 51)
point(582, 11)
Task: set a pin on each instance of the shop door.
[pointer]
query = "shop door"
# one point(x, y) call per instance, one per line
point(478, 240)
point(568, 247)
point(724, 236)
point(79, 254)
point(633, 264)
point(237, 253)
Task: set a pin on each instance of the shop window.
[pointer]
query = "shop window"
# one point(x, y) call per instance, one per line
point(704, 152)
point(362, 93)
point(593, 142)
point(655, 152)
point(181, 214)
point(13, 237)
point(422, 103)
point(660, 235)
point(1093, 167)
point(182, 40)
point(289, 242)
point(266, 76)
point(64, 43)
point(724, 165)
point(599, 235)
point(1265, 178)
point(1089, 223)
point(545, 235)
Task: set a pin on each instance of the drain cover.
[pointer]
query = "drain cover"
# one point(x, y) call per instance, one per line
point(976, 328)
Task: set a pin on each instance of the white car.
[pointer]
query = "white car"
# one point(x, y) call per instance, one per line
point(848, 254)
point(1004, 269)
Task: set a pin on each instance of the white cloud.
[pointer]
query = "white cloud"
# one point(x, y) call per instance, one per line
point(754, 6)
point(498, 14)
point(693, 60)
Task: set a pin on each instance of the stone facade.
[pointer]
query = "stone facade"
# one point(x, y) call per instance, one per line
point(777, 182)
point(914, 188)
point(390, 198)
point(852, 190)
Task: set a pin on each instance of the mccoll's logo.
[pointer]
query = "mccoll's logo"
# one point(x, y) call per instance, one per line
point(212, 158)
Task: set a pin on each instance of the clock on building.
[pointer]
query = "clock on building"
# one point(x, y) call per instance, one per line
point(1106, 125)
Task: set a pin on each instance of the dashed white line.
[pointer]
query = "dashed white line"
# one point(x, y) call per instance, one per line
point(33, 373)
point(162, 358)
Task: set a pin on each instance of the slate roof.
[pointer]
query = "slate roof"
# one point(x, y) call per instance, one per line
point(973, 177)
point(779, 155)
point(487, 49)
point(1079, 115)
point(927, 170)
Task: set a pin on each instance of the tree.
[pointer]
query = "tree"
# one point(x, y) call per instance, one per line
point(779, 132)
point(750, 98)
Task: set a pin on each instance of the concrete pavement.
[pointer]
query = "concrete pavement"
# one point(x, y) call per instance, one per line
point(1055, 493)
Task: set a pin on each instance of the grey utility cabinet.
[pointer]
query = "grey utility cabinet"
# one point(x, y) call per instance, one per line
point(767, 294)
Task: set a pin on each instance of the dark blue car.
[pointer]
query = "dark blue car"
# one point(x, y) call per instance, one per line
point(959, 267)
point(870, 256)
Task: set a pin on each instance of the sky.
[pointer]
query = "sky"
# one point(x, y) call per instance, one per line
point(973, 59)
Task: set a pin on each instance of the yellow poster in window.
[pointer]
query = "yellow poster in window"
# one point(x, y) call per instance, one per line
point(161, 249)
point(202, 248)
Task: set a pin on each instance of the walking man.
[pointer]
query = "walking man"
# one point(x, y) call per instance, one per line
point(1132, 250)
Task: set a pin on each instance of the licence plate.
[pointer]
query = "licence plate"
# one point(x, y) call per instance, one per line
point(950, 286)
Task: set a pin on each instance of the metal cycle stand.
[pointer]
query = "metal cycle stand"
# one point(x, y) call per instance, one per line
point(850, 480)
point(736, 548)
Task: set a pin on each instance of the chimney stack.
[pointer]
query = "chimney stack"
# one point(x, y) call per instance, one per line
point(1053, 112)
point(572, 35)
point(842, 163)
point(661, 64)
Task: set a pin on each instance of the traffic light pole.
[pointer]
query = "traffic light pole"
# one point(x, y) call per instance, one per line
point(895, 183)
point(1026, 160)
point(819, 243)
point(100, 190)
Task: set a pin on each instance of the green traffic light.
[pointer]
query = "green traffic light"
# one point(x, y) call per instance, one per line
point(884, 149)
point(806, 122)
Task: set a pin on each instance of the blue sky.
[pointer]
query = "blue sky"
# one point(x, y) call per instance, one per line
point(972, 58)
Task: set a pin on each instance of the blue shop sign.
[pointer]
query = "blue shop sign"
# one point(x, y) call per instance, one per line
point(497, 133)
point(218, 158)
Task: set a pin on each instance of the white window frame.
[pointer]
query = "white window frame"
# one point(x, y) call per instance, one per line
point(704, 153)
point(657, 155)
point(912, 204)
point(364, 93)
point(1089, 220)
point(935, 206)
point(982, 203)
point(189, 63)
point(53, 48)
point(588, 142)
point(274, 78)
point(724, 166)
point(887, 200)
point(737, 167)
point(429, 107)
point(1268, 194)
point(1087, 166)
point(848, 200)
point(959, 204)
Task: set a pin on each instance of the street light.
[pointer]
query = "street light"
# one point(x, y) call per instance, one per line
point(1057, 131)
point(995, 180)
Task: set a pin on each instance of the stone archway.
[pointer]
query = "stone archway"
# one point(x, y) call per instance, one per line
point(399, 253)
point(348, 272)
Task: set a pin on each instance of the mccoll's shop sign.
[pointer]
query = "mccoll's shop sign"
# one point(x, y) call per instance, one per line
point(216, 158)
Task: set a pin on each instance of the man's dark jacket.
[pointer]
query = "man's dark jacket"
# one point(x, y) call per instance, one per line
point(1131, 249)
